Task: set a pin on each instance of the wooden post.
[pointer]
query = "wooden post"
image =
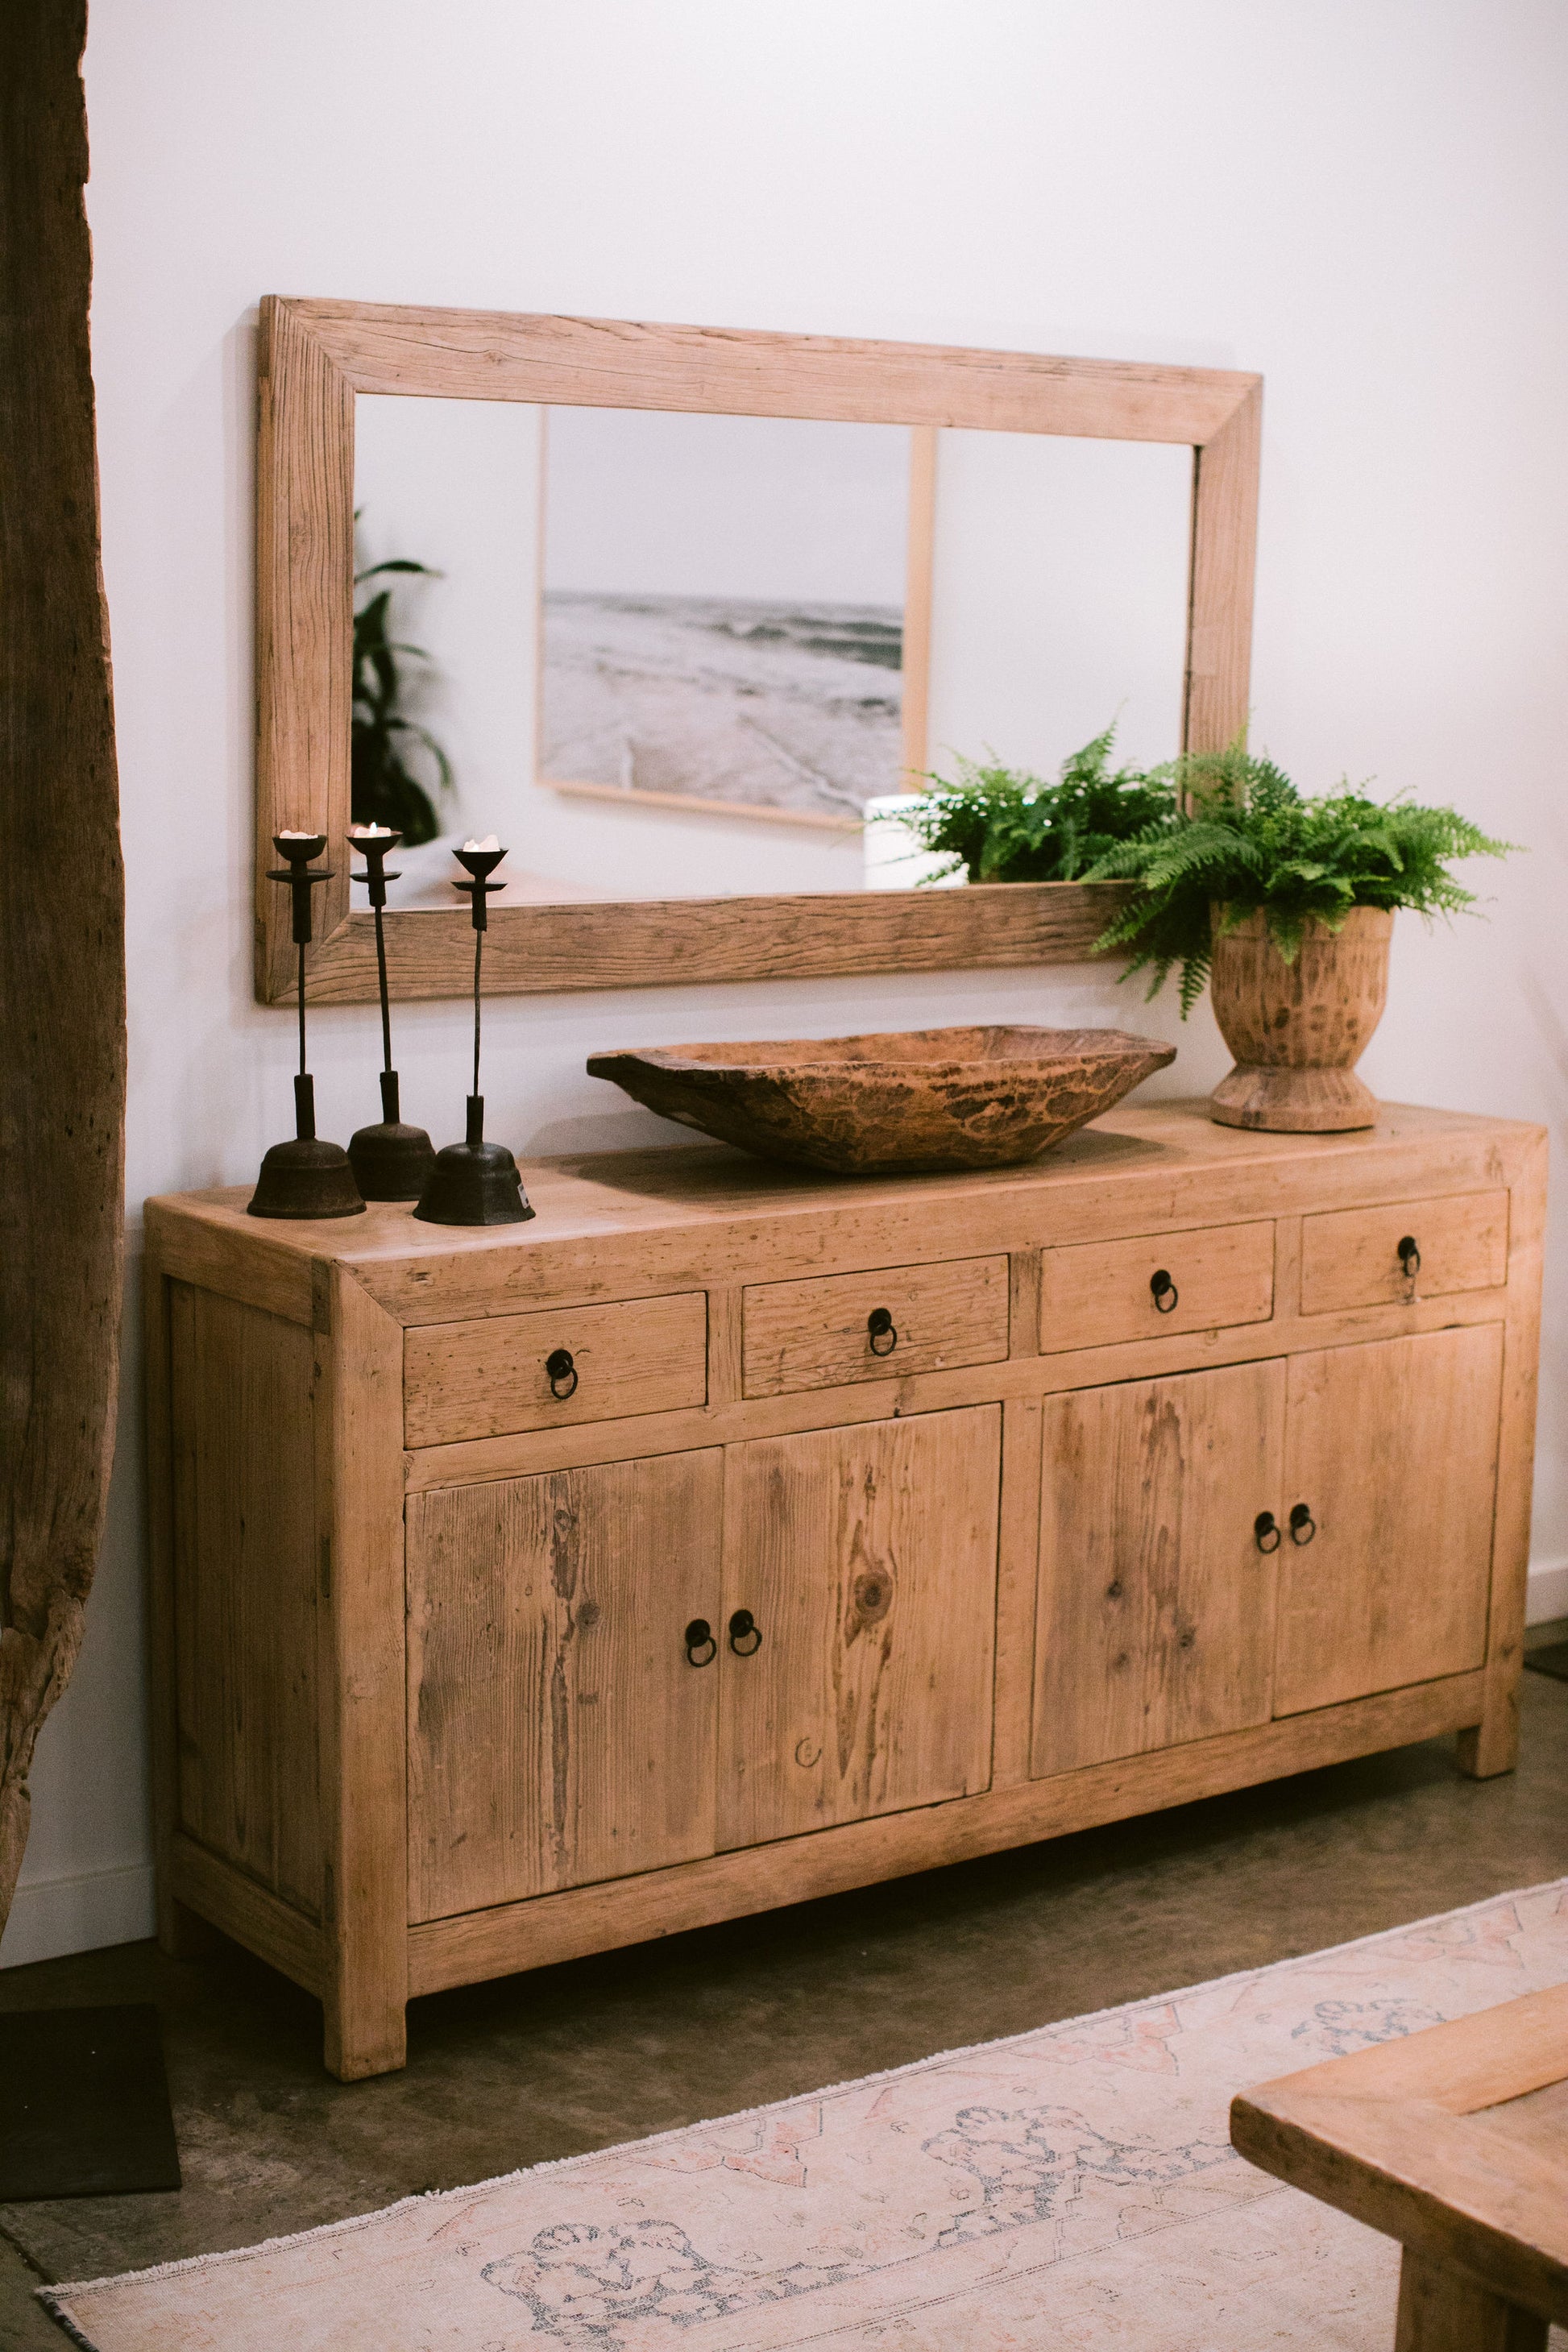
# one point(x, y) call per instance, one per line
point(62, 911)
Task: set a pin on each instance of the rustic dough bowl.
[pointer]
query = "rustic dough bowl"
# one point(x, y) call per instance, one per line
point(910, 1101)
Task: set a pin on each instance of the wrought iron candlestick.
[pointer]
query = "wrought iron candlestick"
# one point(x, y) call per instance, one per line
point(307, 1176)
point(475, 1183)
point(391, 1161)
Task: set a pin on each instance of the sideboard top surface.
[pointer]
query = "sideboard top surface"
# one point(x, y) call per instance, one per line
point(638, 1221)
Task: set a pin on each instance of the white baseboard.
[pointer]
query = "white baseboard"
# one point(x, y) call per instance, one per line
point(51, 1916)
point(1547, 1597)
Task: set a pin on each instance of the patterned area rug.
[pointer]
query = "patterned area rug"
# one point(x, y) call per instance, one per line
point(1071, 2187)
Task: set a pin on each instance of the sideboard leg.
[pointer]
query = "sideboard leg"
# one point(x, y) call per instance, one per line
point(364, 2035)
point(364, 1757)
point(1491, 1746)
point(1441, 2310)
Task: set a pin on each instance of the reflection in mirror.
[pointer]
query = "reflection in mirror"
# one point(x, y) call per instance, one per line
point(1058, 608)
point(724, 612)
point(674, 656)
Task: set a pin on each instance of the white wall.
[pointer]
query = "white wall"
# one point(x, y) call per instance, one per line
point(1366, 202)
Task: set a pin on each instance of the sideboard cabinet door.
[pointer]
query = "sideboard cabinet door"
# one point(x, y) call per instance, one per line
point(1392, 1457)
point(559, 1731)
point(866, 1561)
point(1156, 1586)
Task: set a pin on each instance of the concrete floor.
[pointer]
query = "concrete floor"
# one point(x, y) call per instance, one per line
point(599, 2051)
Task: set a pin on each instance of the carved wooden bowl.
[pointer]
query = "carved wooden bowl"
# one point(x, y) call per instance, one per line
point(910, 1101)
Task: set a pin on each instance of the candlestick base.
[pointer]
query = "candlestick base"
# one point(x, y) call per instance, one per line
point(306, 1177)
point(473, 1182)
point(391, 1161)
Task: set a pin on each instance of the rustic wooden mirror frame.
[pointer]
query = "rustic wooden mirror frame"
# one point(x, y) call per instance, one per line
point(315, 356)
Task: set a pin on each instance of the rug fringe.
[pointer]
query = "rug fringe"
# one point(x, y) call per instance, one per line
point(53, 2297)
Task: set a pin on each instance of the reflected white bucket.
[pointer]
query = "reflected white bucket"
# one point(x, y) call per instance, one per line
point(894, 857)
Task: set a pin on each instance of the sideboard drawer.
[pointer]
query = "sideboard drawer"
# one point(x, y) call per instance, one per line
point(820, 1333)
point(507, 1372)
point(1363, 1258)
point(1096, 1293)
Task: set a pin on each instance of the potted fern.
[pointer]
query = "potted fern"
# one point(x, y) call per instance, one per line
point(1285, 906)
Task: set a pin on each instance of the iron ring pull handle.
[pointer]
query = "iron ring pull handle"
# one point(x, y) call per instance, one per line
point(1303, 1525)
point(562, 1375)
point(1266, 1531)
point(699, 1635)
point(1164, 1292)
point(746, 1631)
point(881, 1326)
point(1409, 1256)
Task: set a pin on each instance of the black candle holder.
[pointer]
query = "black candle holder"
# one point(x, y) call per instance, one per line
point(307, 1176)
point(391, 1161)
point(475, 1183)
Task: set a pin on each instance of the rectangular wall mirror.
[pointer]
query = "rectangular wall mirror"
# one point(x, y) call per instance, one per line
point(684, 615)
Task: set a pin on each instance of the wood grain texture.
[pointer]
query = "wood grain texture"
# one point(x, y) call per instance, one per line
point(304, 627)
point(1156, 1607)
point(1392, 1448)
point(558, 1733)
point(694, 942)
point(245, 1547)
point(829, 1862)
point(1297, 1029)
point(1351, 1257)
point(868, 1558)
point(898, 1102)
point(635, 1224)
point(1441, 2310)
point(63, 901)
point(915, 671)
point(1491, 1746)
point(211, 1890)
point(162, 1706)
point(222, 1257)
point(1017, 1572)
point(484, 1378)
point(364, 1770)
point(632, 1229)
point(1488, 2060)
point(816, 1334)
point(1100, 1293)
point(316, 355)
point(1439, 2141)
point(1016, 1381)
point(1225, 470)
point(739, 371)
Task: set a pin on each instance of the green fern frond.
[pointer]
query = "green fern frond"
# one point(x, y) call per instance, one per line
point(1242, 838)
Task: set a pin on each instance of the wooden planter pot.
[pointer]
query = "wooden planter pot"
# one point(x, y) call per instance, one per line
point(1298, 1029)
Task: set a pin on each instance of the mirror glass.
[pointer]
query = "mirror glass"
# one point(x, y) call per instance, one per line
point(673, 656)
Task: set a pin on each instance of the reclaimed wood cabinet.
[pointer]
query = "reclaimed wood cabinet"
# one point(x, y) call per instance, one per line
point(727, 1536)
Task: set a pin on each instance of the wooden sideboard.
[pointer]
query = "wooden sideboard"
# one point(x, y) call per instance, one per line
point(728, 1536)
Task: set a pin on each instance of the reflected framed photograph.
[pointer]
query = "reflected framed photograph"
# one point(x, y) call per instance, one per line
point(734, 612)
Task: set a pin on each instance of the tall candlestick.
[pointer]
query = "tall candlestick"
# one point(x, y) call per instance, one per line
point(475, 1183)
point(391, 1161)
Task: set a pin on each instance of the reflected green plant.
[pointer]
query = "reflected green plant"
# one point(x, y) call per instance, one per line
point(1001, 824)
point(384, 789)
